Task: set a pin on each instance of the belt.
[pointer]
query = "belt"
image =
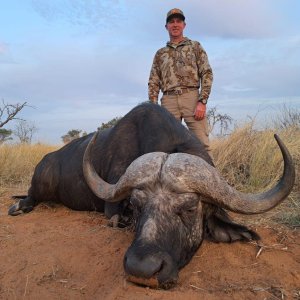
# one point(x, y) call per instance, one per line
point(179, 91)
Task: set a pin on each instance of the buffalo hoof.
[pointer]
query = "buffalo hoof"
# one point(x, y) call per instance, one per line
point(119, 221)
point(18, 209)
point(114, 221)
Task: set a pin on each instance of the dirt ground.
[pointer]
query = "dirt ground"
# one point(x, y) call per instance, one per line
point(56, 253)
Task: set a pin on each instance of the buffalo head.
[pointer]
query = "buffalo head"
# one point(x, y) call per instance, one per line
point(169, 194)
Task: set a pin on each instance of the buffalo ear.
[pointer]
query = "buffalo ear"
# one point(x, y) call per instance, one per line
point(220, 228)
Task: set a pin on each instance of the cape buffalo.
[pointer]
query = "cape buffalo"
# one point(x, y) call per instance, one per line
point(153, 170)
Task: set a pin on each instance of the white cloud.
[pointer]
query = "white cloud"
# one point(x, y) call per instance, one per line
point(232, 19)
point(266, 68)
point(89, 14)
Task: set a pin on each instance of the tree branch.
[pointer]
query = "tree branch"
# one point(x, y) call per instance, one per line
point(8, 112)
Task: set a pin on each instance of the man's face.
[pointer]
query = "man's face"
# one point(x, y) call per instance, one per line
point(175, 27)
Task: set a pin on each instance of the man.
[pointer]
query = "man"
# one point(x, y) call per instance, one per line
point(179, 70)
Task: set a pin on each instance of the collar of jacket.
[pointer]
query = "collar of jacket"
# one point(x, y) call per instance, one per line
point(185, 41)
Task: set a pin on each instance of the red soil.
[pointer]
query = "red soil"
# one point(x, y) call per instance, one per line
point(56, 253)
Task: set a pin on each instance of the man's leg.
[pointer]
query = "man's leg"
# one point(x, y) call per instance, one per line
point(188, 103)
point(200, 128)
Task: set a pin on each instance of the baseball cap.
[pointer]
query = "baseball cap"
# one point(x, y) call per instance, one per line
point(175, 12)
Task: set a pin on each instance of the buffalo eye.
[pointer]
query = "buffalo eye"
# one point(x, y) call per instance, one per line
point(189, 203)
point(191, 210)
point(188, 216)
point(188, 210)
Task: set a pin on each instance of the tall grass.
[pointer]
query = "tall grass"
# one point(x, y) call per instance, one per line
point(17, 163)
point(251, 161)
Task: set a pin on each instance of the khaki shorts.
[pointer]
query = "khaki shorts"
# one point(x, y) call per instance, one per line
point(183, 107)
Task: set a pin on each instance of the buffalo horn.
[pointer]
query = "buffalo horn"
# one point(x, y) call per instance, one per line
point(143, 170)
point(193, 174)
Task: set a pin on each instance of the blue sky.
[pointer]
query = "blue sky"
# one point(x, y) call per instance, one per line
point(80, 63)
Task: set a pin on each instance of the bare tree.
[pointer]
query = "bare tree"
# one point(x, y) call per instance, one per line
point(214, 118)
point(287, 117)
point(24, 131)
point(8, 112)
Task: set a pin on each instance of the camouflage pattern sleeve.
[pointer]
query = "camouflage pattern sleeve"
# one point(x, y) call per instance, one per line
point(205, 72)
point(154, 81)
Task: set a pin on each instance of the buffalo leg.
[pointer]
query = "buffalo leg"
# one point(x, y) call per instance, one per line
point(220, 228)
point(119, 214)
point(22, 206)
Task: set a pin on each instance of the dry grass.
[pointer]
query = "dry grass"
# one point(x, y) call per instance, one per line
point(251, 161)
point(17, 163)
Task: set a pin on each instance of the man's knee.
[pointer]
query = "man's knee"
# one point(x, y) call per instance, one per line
point(200, 129)
point(204, 138)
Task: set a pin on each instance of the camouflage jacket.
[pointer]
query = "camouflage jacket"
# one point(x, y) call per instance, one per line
point(178, 66)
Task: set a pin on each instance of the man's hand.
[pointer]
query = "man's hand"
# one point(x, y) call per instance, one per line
point(200, 111)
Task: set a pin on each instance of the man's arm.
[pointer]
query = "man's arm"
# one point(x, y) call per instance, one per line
point(154, 81)
point(206, 80)
point(204, 71)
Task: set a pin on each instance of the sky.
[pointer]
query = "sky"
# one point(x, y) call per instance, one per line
point(80, 63)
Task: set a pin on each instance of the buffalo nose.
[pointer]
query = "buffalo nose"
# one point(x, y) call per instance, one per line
point(144, 267)
point(156, 266)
